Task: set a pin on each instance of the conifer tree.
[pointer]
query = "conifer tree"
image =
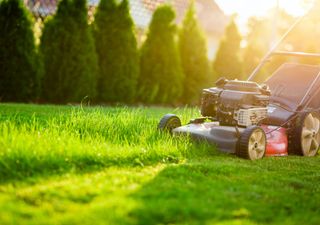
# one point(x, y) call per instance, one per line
point(20, 67)
point(256, 39)
point(117, 51)
point(68, 50)
point(193, 53)
point(161, 77)
point(228, 62)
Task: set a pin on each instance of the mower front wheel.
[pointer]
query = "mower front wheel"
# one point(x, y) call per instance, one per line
point(169, 122)
point(252, 143)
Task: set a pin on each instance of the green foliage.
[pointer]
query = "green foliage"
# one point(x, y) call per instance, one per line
point(262, 33)
point(72, 165)
point(68, 50)
point(193, 53)
point(228, 60)
point(161, 77)
point(20, 67)
point(118, 55)
point(256, 47)
point(305, 37)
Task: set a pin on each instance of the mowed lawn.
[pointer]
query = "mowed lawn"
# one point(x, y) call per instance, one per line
point(80, 165)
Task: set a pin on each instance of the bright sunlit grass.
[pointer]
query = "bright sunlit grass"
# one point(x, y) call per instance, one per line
point(73, 165)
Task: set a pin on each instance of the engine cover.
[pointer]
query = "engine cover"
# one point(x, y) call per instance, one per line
point(242, 103)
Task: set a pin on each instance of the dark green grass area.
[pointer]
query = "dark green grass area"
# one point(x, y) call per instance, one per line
point(75, 165)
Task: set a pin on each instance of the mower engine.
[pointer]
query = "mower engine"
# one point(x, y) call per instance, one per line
point(236, 103)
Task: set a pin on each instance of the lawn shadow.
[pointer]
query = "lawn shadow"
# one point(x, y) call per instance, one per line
point(31, 175)
point(225, 189)
point(20, 169)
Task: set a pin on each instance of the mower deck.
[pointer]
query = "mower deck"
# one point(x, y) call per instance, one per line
point(226, 138)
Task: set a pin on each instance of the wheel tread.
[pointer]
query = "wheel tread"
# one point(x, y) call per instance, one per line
point(243, 144)
point(163, 124)
point(295, 132)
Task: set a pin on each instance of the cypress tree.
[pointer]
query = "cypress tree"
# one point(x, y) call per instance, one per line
point(19, 62)
point(117, 51)
point(228, 63)
point(258, 31)
point(68, 49)
point(161, 77)
point(193, 53)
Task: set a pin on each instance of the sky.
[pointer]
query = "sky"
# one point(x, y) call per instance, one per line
point(248, 8)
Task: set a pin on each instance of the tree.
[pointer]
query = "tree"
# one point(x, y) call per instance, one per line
point(117, 50)
point(20, 67)
point(256, 46)
point(262, 33)
point(193, 53)
point(161, 77)
point(228, 62)
point(68, 50)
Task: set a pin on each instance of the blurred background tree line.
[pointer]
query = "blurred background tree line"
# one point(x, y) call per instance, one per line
point(102, 61)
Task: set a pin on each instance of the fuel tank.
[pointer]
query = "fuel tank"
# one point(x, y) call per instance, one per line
point(277, 140)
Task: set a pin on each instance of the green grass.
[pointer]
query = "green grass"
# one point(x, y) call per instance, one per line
point(73, 165)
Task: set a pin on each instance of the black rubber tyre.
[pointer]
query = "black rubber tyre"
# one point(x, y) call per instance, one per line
point(252, 143)
point(169, 122)
point(304, 135)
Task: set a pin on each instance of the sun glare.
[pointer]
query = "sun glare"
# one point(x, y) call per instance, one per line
point(248, 8)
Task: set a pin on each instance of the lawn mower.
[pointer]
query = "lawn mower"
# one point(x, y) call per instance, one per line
point(276, 118)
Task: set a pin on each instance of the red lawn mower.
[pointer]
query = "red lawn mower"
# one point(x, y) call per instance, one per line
point(277, 118)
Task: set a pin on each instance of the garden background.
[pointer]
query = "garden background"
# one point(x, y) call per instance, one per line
point(75, 53)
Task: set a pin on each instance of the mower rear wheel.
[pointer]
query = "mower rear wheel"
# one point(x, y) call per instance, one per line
point(304, 137)
point(252, 143)
point(169, 122)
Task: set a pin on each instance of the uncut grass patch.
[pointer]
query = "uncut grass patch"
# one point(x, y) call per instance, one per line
point(80, 139)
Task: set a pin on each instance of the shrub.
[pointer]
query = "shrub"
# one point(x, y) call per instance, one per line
point(20, 67)
point(193, 53)
point(117, 51)
point(68, 49)
point(228, 63)
point(161, 76)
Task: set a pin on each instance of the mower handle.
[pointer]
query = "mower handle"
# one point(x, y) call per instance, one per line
point(297, 54)
point(276, 45)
